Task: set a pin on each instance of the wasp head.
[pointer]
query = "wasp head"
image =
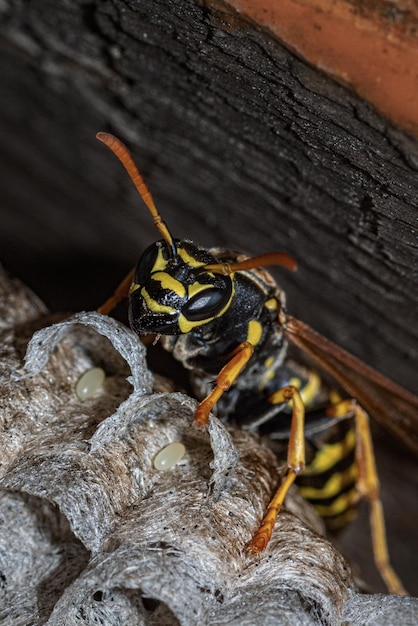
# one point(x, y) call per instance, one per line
point(173, 294)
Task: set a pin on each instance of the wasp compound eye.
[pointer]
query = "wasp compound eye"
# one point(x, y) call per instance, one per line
point(146, 264)
point(207, 303)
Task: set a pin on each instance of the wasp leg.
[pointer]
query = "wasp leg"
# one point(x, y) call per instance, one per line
point(224, 380)
point(368, 488)
point(295, 464)
point(121, 292)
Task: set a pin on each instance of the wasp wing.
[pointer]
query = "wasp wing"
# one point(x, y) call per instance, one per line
point(391, 405)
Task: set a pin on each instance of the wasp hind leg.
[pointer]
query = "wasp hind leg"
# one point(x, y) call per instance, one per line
point(368, 488)
point(295, 464)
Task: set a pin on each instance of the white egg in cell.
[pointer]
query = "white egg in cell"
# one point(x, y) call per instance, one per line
point(90, 383)
point(169, 456)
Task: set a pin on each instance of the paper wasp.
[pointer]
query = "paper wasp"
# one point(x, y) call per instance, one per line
point(223, 317)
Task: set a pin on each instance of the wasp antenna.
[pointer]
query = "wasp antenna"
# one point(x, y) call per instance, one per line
point(121, 151)
point(270, 258)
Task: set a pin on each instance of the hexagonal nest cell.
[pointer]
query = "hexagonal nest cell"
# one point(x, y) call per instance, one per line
point(94, 533)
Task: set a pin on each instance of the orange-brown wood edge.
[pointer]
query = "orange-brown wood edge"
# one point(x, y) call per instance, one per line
point(372, 47)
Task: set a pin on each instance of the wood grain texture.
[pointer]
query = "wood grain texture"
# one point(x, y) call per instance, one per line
point(370, 46)
point(242, 144)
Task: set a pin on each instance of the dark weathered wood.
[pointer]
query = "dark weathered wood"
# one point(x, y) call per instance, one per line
point(242, 144)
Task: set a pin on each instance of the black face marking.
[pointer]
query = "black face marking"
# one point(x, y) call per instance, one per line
point(143, 321)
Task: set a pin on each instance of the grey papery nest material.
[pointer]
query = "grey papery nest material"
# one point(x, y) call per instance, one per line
point(92, 533)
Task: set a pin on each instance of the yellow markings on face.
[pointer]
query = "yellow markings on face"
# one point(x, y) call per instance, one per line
point(160, 262)
point(334, 485)
point(155, 306)
point(188, 259)
point(254, 332)
point(186, 325)
point(271, 304)
point(160, 273)
point(331, 453)
point(196, 288)
point(168, 282)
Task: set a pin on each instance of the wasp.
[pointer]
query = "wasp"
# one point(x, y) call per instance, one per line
point(223, 316)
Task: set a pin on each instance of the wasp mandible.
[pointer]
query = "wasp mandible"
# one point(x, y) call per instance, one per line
point(223, 316)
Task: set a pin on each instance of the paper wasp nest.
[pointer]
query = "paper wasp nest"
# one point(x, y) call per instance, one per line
point(93, 533)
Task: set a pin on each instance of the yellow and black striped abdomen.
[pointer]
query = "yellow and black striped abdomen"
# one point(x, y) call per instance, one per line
point(329, 480)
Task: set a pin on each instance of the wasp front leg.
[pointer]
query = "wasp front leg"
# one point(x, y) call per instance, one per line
point(295, 465)
point(121, 292)
point(368, 488)
point(240, 357)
